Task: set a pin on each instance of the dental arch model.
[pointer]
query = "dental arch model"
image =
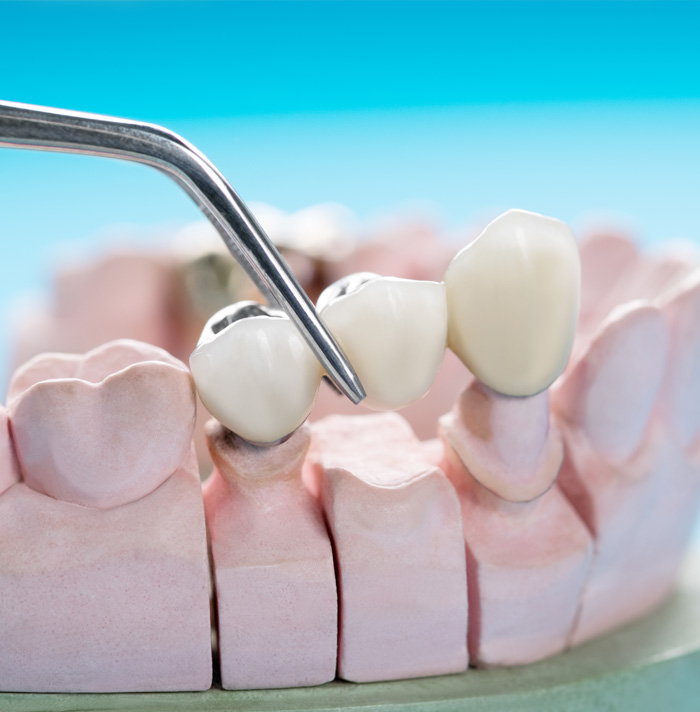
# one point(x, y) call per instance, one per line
point(542, 554)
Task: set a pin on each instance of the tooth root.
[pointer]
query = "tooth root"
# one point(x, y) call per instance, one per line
point(611, 390)
point(513, 298)
point(257, 376)
point(393, 331)
point(680, 393)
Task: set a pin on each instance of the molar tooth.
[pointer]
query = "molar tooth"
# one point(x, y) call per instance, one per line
point(105, 428)
point(255, 373)
point(513, 299)
point(392, 330)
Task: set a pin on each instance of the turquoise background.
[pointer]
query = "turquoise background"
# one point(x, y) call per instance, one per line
point(465, 108)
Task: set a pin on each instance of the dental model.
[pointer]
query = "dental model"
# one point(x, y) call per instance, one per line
point(255, 373)
point(392, 330)
point(628, 414)
point(677, 416)
point(528, 553)
point(397, 534)
point(273, 565)
point(549, 562)
point(105, 583)
point(513, 302)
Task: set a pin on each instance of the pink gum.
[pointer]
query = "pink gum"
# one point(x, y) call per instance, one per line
point(273, 566)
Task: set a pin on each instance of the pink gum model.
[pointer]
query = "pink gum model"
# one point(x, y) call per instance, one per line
point(105, 583)
point(273, 565)
point(612, 471)
point(668, 521)
point(528, 552)
point(395, 524)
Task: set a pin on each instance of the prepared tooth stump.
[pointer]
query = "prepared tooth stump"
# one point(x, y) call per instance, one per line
point(396, 530)
point(104, 573)
point(528, 552)
point(273, 565)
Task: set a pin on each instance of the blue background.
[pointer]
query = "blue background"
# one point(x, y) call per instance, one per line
point(560, 107)
point(465, 108)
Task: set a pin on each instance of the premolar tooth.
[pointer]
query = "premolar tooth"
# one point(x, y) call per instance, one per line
point(255, 373)
point(392, 330)
point(513, 299)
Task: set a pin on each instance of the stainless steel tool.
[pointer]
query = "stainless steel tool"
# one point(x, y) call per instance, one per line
point(48, 129)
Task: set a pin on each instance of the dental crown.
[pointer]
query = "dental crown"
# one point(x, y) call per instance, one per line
point(507, 307)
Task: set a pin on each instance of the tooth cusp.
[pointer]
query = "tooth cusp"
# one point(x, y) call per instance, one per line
point(513, 300)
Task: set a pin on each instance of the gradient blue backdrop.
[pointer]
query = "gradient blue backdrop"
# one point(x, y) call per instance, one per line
point(559, 107)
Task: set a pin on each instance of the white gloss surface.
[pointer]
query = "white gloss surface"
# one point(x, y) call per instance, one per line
point(513, 300)
point(257, 377)
point(393, 331)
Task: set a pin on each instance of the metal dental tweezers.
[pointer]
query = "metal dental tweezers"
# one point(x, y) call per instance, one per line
point(47, 129)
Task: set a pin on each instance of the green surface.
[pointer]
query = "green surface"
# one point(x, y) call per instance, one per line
point(651, 665)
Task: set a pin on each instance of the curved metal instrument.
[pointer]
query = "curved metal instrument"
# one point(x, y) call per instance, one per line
point(48, 129)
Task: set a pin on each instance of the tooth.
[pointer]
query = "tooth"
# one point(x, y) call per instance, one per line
point(611, 390)
point(255, 373)
point(680, 392)
point(508, 445)
point(396, 529)
point(393, 332)
point(273, 565)
point(115, 557)
point(512, 299)
point(605, 259)
point(103, 429)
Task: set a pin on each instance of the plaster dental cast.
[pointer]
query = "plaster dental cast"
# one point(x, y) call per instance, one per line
point(347, 547)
